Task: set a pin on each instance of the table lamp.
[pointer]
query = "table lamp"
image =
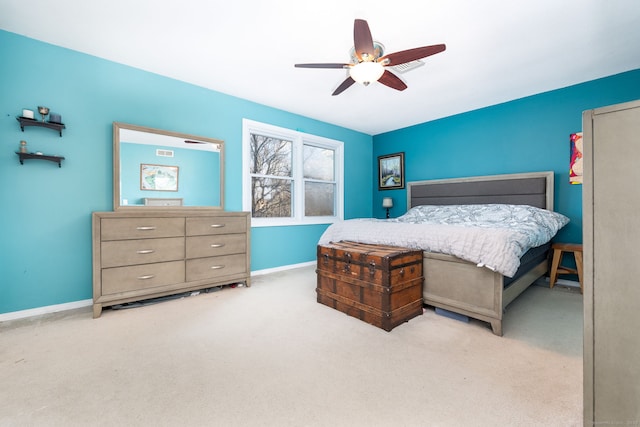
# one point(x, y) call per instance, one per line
point(387, 202)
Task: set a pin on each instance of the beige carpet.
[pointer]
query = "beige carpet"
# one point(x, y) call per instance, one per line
point(269, 355)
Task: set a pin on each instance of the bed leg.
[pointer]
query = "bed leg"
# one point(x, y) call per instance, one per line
point(496, 326)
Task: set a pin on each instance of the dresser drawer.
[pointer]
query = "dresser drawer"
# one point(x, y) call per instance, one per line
point(199, 226)
point(133, 278)
point(215, 245)
point(141, 228)
point(213, 267)
point(116, 253)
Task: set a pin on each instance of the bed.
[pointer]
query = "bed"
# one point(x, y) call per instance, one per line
point(461, 286)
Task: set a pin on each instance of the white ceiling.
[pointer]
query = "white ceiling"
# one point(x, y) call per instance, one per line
point(497, 50)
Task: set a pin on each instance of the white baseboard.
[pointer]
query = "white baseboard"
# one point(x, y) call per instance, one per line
point(283, 268)
point(13, 315)
point(88, 302)
point(566, 282)
point(544, 281)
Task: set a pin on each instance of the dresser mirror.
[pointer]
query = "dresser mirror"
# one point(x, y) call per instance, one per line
point(158, 168)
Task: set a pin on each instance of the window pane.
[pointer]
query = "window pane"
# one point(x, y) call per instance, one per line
point(319, 199)
point(270, 156)
point(318, 163)
point(271, 197)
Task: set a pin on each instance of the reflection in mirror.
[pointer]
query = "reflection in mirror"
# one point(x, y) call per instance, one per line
point(160, 168)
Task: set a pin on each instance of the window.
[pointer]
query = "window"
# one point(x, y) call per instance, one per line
point(290, 177)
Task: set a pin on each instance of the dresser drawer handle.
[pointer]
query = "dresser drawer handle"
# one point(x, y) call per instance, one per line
point(145, 251)
point(217, 245)
point(217, 225)
point(216, 267)
point(145, 228)
point(148, 276)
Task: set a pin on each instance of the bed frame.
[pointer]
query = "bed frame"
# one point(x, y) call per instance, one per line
point(460, 286)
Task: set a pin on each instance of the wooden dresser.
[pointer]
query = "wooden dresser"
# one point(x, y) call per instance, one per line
point(146, 254)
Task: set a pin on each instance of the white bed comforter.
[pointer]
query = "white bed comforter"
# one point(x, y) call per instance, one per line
point(494, 236)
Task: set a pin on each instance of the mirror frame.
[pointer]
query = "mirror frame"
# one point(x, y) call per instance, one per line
point(116, 166)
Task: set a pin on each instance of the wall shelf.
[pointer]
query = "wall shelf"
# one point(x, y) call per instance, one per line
point(55, 159)
point(33, 122)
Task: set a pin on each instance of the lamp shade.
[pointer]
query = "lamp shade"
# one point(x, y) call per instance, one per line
point(387, 202)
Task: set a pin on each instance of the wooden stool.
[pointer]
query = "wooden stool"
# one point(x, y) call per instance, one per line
point(556, 268)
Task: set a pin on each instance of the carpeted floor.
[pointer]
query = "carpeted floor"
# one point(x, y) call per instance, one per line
point(269, 355)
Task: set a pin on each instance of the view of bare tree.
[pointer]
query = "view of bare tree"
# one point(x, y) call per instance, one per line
point(271, 190)
point(272, 180)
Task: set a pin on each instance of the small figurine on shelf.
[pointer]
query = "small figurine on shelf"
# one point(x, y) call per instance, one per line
point(23, 146)
point(43, 112)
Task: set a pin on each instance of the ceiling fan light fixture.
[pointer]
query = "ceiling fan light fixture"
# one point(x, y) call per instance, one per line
point(368, 61)
point(366, 72)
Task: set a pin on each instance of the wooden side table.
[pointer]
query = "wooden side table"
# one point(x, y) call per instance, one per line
point(559, 249)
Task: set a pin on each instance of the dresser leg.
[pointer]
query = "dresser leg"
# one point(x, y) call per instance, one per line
point(97, 310)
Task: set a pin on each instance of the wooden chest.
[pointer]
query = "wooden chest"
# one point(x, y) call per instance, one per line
point(381, 285)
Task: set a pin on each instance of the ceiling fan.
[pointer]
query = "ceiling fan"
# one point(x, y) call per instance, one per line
point(368, 62)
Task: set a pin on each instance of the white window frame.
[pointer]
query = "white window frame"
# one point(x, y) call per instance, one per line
point(299, 139)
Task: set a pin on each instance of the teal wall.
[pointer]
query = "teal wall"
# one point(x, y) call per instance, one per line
point(45, 222)
point(526, 135)
point(45, 215)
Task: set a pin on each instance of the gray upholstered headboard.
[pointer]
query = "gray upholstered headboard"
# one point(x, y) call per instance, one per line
point(534, 189)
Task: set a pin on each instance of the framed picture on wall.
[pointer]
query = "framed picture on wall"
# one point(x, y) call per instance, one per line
point(575, 165)
point(158, 177)
point(391, 171)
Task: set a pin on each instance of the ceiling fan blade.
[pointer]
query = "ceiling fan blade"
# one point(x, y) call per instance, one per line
point(391, 80)
point(362, 40)
point(343, 86)
point(328, 65)
point(409, 55)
